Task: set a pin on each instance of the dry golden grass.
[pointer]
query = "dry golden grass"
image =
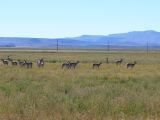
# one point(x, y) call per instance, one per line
point(111, 92)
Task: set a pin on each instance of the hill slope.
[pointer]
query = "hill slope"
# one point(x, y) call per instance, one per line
point(130, 39)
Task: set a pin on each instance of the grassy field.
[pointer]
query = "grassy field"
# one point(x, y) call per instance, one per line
point(50, 93)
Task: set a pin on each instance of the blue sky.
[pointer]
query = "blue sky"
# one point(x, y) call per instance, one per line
point(67, 18)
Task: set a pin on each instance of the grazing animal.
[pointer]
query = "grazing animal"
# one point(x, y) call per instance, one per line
point(73, 65)
point(131, 65)
point(66, 65)
point(96, 65)
point(14, 63)
point(27, 64)
point(118, 62)
point(21, 63)
point(5, 62)
point(40, 63)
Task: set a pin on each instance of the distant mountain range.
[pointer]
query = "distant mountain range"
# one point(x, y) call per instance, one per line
point(123, 40)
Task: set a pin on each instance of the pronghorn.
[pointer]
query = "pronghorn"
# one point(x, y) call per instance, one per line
point(14, 63)
point(73, 64)
point(118, 62)
point(28, 64)
point(96, 65)
point(21, 63)
point(5, 62)
point(40, 63)
point(131, 65)
point(66, 65)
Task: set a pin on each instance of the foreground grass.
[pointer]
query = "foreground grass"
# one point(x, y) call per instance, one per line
point(108, 93)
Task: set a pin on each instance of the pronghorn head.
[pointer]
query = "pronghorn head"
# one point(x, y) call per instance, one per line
point(4, 60)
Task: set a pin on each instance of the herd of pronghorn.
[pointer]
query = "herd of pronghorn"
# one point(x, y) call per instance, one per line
point(67, 65)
